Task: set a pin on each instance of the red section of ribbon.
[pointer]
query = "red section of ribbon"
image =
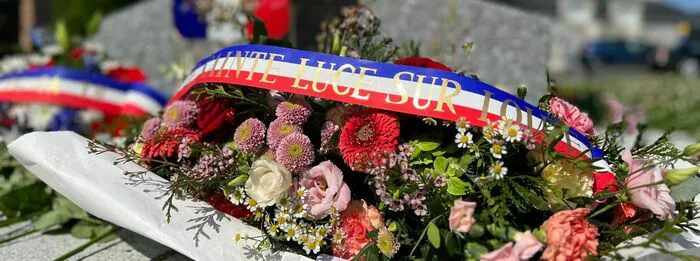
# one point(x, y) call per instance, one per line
point(375, 100)
point(70, 100)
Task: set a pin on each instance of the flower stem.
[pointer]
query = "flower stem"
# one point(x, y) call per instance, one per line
point(422, 235)
point(86, 245)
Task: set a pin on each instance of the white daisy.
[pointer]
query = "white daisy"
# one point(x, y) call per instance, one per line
point(237, 197)
point(430, 121)
point(512, 133)
point(302, 193)
point(497, 170)
point(498, 150)
point(272, 229)
point(462, 124)
point(293, 232)
point(462, 139)
point(338, 237)
point(251, 204)
point(473, 148)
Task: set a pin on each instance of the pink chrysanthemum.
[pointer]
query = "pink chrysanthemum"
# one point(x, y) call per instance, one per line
point(250, 136)
point(295, 110)
point(367, 134)
point(150, 128)
point(180, 114)
point(295, 152)
point(268, 154)
point(278, 130)
point(329, 128)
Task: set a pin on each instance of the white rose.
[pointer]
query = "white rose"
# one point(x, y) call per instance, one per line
point(268, 182)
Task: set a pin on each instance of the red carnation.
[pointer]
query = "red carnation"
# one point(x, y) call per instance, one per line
point(220, 203)
point(605, 182)
point(127, 74)
point(423, 63)
point(366, 135)
point(166, 145)
point(215, 118)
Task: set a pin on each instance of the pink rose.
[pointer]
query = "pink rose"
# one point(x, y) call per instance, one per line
point(656, 198)
point(571, 115)
point(615, 108)
point(525, 247)
point(355, 222)
point(461, 219)
point(505, 253)
point(570, 236)
point(326, 189)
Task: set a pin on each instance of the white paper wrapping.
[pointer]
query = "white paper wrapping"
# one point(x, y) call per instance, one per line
point(95, 184)
point(198, 231)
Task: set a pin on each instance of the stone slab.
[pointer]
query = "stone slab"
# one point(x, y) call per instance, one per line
point(511, 46)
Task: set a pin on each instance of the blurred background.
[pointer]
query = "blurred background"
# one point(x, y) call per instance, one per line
point(642, 56)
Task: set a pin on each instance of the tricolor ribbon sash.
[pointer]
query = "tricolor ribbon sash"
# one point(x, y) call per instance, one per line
point(404, 89)
point(80, 89)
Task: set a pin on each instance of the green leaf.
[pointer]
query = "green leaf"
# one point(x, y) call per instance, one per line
point(89, 230)
point(456, 186)
point(93, 25)
point(434, 235)
point(25, 200)
point(62, 36)
point(50, 219)
point(62, 204)
point(427, 145)
point(238, 181)
point(465, 161)
point(476, 249)
point(440, 164)
point(438, 153)
point(686, 191)
point(451, 243)
point(416, 151)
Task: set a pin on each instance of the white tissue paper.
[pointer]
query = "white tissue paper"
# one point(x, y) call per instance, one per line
point(198, 231)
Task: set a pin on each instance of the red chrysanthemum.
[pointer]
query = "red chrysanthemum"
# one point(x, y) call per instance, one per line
point(166, 145)
point(220, 203)
point(423, 63)
point(366, 135)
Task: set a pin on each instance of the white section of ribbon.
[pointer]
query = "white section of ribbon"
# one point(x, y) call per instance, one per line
point(387, 86)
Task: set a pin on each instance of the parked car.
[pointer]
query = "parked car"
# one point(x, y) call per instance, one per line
point(684, 57)
point(613, 52)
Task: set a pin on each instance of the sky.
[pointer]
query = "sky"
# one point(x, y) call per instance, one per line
point(685, 5)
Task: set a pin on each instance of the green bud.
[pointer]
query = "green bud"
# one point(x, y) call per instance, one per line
point(522, 92)
point(476, 230)
point(335, 47)
point(238, 181)
point(62, 36)
point(232, 145)
point(691, 149)
point(678, 176)
point(393, 226)
point(539, 235)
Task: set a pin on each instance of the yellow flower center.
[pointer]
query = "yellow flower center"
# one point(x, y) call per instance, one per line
point(252, 202)
point(291, 232)
point(497, 149)
point(281, 220)
point(497, 168)
point(512, 132)
point(311, 245)
point(385, 242)
point(237, 237)
point(286, 129)
point(244, 132)
point(464, 139)
point(172, 114)
point(295, 150)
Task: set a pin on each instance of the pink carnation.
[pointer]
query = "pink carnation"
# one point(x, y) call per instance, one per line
point(355, 222)
point(570, 236)
point(571, 116)
point(295, 152)
point(326, 189)
point(525, 247)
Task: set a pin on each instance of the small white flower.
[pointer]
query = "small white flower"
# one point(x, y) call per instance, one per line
point(512, 133)
point(293, 232)
point(497, 170)
point(251, 204)
point(338, 237)
point(462, 124)
point(302, 193)
point(430, 121)
point(498, 150)
point(272, 228)
point(473, 148)
point(300, 210)
point(237, 197)
point(462, 139)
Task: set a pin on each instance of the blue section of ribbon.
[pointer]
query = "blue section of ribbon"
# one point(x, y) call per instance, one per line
point(385, 70)
point(86, 76)
point(187, 21)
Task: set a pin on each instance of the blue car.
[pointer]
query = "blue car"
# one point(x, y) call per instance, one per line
point(614, 52)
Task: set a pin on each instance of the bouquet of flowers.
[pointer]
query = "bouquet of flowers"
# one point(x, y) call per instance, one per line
point(62, 88)
point(329, 155)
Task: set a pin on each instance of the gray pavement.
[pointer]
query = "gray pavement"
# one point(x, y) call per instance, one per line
point(54, 243)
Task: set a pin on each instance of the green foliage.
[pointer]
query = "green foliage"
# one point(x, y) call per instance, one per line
point(75, 13)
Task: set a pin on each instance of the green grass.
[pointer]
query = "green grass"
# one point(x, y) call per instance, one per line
point(669, 101)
